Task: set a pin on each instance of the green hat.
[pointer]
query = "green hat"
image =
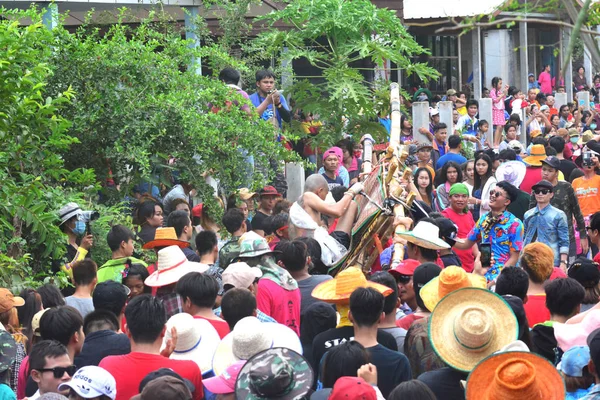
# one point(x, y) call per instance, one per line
point(276, 373)
point(458, 188)
point(8, 350)
point(253, 245)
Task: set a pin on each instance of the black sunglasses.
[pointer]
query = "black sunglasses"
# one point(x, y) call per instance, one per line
point(404, 279)
point(59, 372)
point(541, 191)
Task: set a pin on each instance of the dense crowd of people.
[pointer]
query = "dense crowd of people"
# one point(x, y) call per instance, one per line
point(496, 294)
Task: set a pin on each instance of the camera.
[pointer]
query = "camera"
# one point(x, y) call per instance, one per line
point(87, 216)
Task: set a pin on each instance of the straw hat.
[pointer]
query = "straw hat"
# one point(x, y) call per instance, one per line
point(536, 155)
point(197, 340)
point(339, 289)
point(569, 335)
point(450, 279)
point(249, 337)
point(164, 237)
point(246, 194)
point(427, 235)
point(512, 172)
point(172, 264)
point(515, 375)
point(470, 324)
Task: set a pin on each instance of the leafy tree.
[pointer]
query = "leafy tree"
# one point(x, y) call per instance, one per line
point(344, 39)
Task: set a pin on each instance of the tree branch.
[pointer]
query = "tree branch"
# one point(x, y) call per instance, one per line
point(507, 21)
point(576, 29)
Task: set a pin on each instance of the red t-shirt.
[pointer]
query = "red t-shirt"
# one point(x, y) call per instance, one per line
point(532, 176)
point(535, 309)
point(220, 326)
point(280, 304)
point(597, 258)
point(407, 321)
point(129, 370)
point(465, 223)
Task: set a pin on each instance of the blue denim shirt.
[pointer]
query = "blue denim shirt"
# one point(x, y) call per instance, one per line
point(552, 229)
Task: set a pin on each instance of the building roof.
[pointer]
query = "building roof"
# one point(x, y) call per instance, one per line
point(429, 9)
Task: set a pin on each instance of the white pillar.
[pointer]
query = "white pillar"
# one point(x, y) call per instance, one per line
point(523, 46)
point(568, 73)
point(477, 84)
point(485, 113)
point(523, 135)
point(560, 99)
point(583, 99)
point(420, 116)
point(587, 64)
point(294, 175)
point(446, 109)
point(50, 17)
point(191, 15)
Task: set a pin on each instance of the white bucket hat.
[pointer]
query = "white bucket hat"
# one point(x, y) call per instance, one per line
point(427, 235)
point(172, 264)
point(197, 340)
point(69, 211)
point(250, 337)
point(512, 172)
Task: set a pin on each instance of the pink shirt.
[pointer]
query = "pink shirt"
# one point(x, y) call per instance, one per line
point(280, 304)
point(545, 81)
point(497, 100)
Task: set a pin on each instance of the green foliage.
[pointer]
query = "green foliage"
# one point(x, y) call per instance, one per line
point(138, 107)
point(343, 38)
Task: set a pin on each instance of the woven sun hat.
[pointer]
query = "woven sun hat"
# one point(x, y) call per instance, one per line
point(512, 172)
point(249, 337)
point(172, 264)
point(197, 340)
point(164, 237)
point(246, 194)
point(450, 279)
point(536, 155)
point(427, 235)
point(515, 375)
point(570, 335)
point(470, 324)
point(339, 289)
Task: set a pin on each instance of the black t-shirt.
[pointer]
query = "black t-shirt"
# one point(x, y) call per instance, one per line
point(259, 220)
point(393, 368)
point(566, 167)
point(543, 342)
point(336, 336)
point(519, 207)
point(332, 183)
point(444, 383)
point(451, 259)
point(100, 344)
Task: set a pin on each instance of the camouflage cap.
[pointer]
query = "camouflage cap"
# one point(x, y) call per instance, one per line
point(276, 373)
point(8, 350)
point(253, 245)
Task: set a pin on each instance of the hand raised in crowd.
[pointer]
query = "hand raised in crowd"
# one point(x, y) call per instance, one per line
point(369, 373)
point(170, 345)
point(87, 242)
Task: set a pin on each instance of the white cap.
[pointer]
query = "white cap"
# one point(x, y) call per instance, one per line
point(240, 275)
point(91, 381)
point(515, 144)
point(433, 111)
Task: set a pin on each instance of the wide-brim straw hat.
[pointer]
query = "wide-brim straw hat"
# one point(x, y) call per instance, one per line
point(536, 155)
point(246, 194)
point(339, 289)
point(172, 264)
point(515, 375)
point(470, 324)
point(249, 337)
point(570, 335)
point(164, 237)
point(197, 340)
point(450, 279)
point(427, 235)
point(512, 172)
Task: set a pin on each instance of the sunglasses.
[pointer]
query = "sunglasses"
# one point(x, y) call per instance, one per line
point(59, 372)
point(404, 279)
point(495, 193)
point(541, 191)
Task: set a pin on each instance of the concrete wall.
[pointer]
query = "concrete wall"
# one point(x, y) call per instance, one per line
point(498, 55)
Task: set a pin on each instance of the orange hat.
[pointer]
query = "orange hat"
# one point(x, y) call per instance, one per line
point(515, 375)
point(536, 155)
point(339, 289)
point(164, 237)
point(450, 279)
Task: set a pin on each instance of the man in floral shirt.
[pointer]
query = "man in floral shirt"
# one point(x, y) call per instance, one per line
point(499, 228)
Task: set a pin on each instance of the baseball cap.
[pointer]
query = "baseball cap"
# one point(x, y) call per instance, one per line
point(450, 92)
point(161, 373)
point(35, 322)
point(422, 146)
point(8, 300)
point(543, 184)
point(585, 271)
point(352, 388)
point(268, 191)
point(91, 381)
point(110, 292)
point(574, 361)
point(406, 267)
point(165, 388)
point(433, 111)
point(515, 144)
point(424, 273)
point(240, 275)
point(552, 162)
point(531, 74)
point(225, 383)
point(448, 231)
point(544, 108)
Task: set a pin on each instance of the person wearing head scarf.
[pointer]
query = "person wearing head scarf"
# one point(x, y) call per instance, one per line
point(333, 170)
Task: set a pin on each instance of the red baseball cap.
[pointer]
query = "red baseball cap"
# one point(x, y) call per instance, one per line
point(557, 273)
point(352, 388)
point(197, 210)
point(406, 267)
point(268, 191)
